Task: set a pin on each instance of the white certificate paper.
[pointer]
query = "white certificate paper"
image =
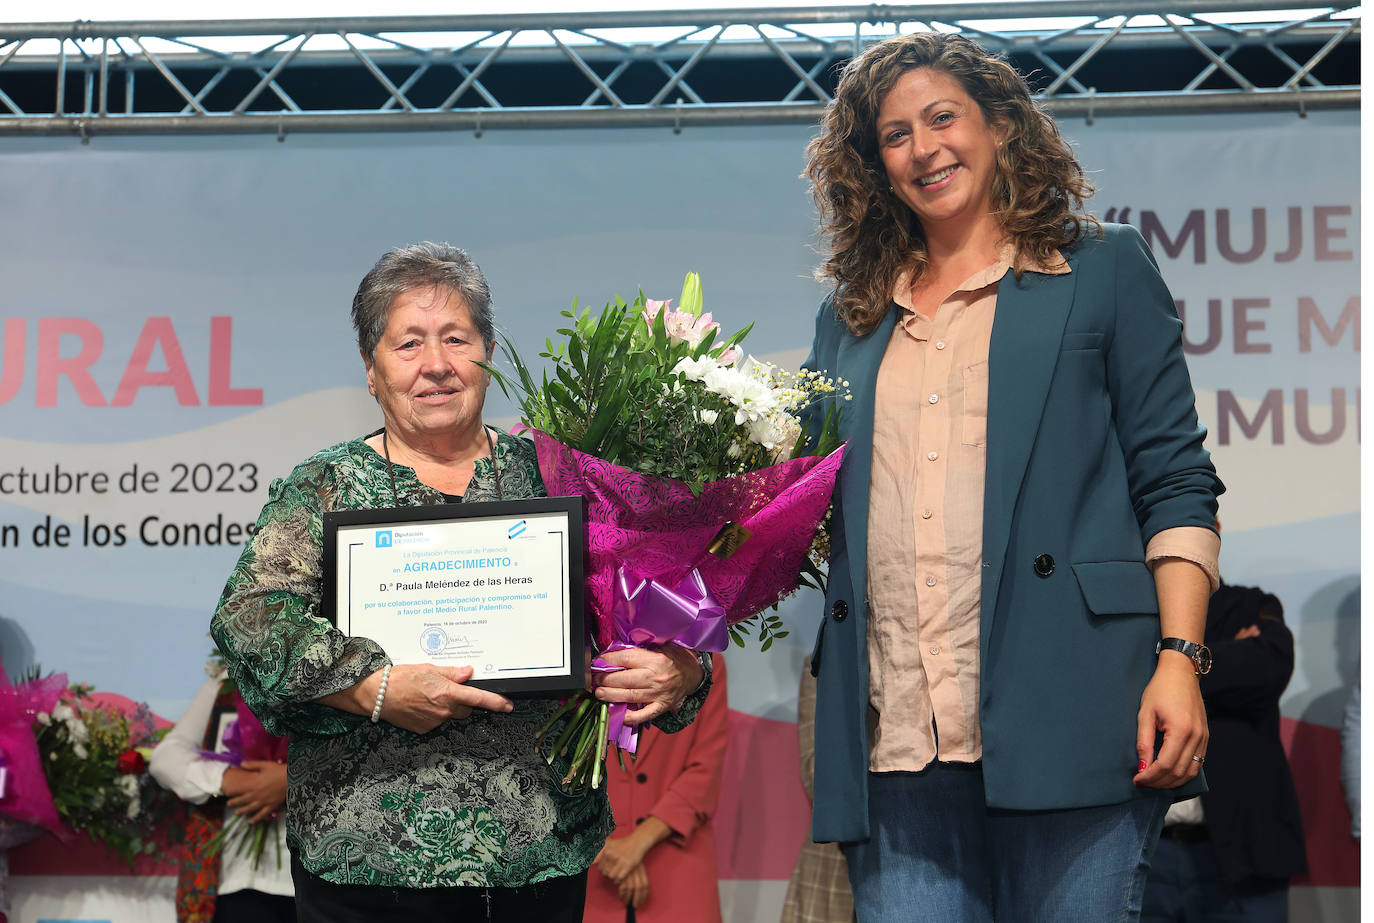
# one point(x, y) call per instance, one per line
point(495, 586)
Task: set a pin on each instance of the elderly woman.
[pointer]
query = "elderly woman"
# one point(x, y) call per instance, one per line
point(438, 808)
point(1007, 693)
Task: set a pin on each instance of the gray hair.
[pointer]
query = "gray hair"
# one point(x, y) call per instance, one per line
point(419, 265)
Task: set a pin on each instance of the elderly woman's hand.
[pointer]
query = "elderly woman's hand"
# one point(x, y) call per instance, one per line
point(659, 680)
point(419, 697)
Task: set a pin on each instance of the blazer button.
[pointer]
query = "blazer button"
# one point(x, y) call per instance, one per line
point(641, 777)
point(1044, 565)
point(840, 610)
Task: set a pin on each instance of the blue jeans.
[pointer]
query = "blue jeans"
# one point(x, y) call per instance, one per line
point(1185, 887)
point(937, 853)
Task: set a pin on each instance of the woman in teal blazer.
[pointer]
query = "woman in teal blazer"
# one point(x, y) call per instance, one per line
point(932, 160)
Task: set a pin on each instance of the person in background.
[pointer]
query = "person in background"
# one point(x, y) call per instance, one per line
point(819, 889)
point(1022, 549)
point(230, 886)
point(1228, 854)
point(1350, 757)
point(659, 864)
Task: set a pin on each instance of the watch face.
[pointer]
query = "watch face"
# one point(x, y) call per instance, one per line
point(1202, 659)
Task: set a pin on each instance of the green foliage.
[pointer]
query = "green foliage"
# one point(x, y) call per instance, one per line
point(768, 624)
point(612, 392)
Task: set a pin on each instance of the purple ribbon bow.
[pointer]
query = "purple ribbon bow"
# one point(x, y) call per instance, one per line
point(647, 614)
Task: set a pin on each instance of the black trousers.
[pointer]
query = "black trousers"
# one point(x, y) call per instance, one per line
point(254, 907)
point(557, 900)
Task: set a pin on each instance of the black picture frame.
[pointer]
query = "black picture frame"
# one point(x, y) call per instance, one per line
point(572, 675)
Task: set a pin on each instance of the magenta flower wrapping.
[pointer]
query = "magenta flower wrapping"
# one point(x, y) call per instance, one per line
point(660, 531)
point(26, 797)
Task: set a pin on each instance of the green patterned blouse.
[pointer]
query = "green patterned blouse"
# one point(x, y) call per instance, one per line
point(468, 804)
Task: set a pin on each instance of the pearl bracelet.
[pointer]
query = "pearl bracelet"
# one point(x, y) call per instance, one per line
point(381, 693)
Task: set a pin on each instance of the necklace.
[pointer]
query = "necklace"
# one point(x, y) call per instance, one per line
point(491, 450)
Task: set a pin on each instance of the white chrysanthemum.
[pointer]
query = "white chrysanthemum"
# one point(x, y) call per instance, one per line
point(752, 397)
point(80, 751)
point(709, 417)
point(77, 731)
point(765, 432)
point(720, 380)
point(43, 718)
point(62, 712)
point(695, 369)
point(129, 786)
point(777, 432)
point(790, 427)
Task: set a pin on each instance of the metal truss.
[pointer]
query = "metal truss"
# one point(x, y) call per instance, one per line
point(678, 68)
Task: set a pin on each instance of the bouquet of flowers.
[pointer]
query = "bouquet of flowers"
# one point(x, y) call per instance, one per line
point(95, 759)
point(706, 475)
point(246, 739)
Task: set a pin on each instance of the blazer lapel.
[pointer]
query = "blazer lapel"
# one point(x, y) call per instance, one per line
point(1026, 334)
point(857, 360)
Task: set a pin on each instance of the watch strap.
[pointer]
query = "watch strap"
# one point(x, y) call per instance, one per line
point(704, 659)
point(1198, 653)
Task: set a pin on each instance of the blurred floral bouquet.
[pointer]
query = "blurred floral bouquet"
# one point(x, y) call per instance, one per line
point(706, 476)
point(95, 759)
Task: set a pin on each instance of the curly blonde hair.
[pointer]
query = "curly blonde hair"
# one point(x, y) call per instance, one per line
point(1037, 191)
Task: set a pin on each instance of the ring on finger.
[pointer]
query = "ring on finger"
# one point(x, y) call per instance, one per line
point(1199, 759)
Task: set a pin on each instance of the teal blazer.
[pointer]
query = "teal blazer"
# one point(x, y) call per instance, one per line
point(1093, 446)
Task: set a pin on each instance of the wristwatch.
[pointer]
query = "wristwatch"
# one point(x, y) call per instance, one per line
point(703, 658)
point(1199, 654)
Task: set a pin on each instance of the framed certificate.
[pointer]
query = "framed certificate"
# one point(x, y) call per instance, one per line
point(495, 586)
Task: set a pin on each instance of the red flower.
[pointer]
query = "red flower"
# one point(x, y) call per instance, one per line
point(131, 762)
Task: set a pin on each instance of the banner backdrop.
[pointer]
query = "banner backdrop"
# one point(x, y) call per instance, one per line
point(176, 335)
